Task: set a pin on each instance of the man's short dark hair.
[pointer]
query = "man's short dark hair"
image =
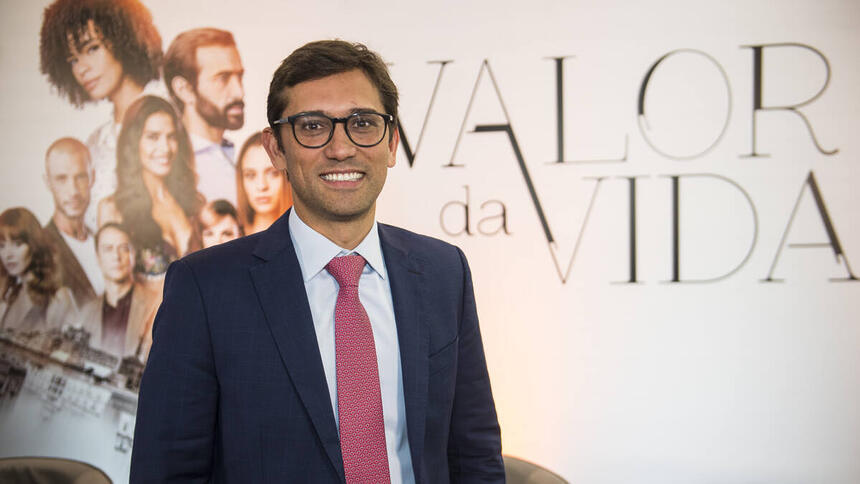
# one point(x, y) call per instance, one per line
point(324, 58)
point(222, 207)
point(126, 30)
point(181, 57)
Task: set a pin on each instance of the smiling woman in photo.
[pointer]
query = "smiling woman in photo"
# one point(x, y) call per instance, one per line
point(156, 195)
point(31, 298)
point(263, 192)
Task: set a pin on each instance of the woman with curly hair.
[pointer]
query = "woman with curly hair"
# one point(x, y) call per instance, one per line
point(262, 191)
point(101, 49)
point(156, 196)
point(31, 298)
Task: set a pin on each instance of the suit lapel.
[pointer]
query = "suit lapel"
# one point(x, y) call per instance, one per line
point(281, 291)
point(133, 329)
point(95, 321)
point(406, 281)
point(140, 316)
point(74, 275)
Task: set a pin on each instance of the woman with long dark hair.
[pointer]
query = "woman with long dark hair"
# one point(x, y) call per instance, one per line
point(262, 191)
point(156, 195)
point(31, 298)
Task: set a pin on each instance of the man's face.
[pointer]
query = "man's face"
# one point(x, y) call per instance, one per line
point(115, 254)
point(219, 87)
point(68, 177)
point(220, 230)
point(95, 68)
point(340, 181)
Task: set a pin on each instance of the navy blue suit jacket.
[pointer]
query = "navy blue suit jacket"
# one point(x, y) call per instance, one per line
point(234, 389)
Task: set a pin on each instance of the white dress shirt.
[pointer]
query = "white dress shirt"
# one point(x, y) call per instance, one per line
point(216, 168)
point(314, 251)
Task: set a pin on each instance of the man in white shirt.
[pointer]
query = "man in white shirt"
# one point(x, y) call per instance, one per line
point(328, 348)
point(203, 73)
point(69, 177)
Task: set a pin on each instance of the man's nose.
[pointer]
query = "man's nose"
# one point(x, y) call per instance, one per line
point(340, 147)
point(236, 90)
point(69, 187)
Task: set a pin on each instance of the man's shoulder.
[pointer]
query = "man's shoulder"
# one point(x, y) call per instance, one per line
point(51, 228)
point(417, 245)
point(59, 243)
point(237, 251)
point(222, 259)
point(143, 294)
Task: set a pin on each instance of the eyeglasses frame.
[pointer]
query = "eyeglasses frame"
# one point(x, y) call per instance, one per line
point(388, 118)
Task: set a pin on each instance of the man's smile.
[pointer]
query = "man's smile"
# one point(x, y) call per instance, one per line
point(343, 176)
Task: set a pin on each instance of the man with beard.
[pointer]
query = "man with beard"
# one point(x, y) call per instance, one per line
point(203, 73)
point(69, 176)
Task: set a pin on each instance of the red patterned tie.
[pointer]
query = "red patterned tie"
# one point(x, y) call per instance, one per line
point(359, 402)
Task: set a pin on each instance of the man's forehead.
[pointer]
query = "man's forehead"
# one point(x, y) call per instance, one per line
point(216, 57)
point(67, 157)
point(112, 235)
point(336, 94)
point(218, 220)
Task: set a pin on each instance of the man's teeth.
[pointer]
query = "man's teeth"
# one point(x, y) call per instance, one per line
point(352, 176)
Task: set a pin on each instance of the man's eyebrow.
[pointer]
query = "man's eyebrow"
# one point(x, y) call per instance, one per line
point(241, 72)
point(363, 110)
point(351, 111)
point(303, 113)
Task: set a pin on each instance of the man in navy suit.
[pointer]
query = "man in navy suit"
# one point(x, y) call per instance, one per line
point(246, 376)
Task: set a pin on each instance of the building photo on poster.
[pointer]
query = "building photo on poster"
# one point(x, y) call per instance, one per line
point(154, 181)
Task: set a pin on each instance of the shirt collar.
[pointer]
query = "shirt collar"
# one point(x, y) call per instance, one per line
point(199, 143)
point(69, 238)
point(314, 250)
point(107, 134)
point(122, 301)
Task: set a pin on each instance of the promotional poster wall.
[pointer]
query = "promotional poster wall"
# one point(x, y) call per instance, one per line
point(658, 201)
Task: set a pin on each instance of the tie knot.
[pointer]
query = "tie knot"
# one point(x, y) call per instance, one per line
point(346, 270)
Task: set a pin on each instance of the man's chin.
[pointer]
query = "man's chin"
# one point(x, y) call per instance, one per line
point(75, 213)
point(235, 122)
point(119, 276)
point(348, 214)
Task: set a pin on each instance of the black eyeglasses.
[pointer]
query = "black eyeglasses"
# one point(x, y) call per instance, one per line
point(314, 130)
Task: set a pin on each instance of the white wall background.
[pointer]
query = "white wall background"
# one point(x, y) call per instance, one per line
point(732, 381)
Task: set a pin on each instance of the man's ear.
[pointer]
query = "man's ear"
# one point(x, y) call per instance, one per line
point(276, 155)
point(92, 171)
point(392, 145)
point(183, 90)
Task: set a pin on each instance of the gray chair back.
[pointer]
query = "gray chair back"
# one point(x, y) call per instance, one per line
point(520, 471)
point(49, 470)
